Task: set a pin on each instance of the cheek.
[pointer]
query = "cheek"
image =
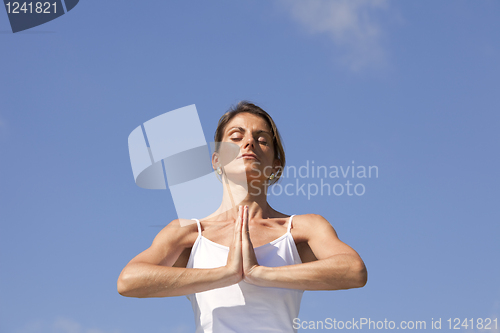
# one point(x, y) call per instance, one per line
point(270, 157)
point(270, 150)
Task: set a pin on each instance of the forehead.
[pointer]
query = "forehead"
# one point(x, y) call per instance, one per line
point(248, 121)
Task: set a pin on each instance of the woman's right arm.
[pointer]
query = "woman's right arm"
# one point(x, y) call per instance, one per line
point(150, 273)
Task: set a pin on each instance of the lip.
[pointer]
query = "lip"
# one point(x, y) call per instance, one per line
point(249, 156)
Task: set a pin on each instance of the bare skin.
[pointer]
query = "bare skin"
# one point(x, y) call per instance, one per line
point(327, 262)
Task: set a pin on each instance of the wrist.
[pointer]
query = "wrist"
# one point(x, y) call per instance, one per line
point(257, 275)
point(231, 276)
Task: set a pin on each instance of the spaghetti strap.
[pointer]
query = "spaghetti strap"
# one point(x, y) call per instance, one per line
point(199, 226)
point(290, 224)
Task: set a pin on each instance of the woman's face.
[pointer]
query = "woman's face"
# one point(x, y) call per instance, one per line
point(256, 150)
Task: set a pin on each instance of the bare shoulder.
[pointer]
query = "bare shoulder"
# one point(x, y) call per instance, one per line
point(307, 225)
point(320, 236)
point(169, 243)
point(181, 232)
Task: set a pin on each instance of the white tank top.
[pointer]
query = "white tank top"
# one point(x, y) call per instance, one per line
point(243, 307)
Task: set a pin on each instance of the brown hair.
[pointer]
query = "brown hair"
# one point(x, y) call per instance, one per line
point(246, 106)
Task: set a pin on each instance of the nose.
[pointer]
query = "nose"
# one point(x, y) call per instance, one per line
point(249, 142)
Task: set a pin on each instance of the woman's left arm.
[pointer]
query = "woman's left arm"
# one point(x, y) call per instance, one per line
point(338, 265)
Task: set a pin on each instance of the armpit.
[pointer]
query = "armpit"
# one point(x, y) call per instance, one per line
point(183, 258)
point(305, 252)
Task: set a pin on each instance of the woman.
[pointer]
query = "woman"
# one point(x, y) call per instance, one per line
point(244, 267)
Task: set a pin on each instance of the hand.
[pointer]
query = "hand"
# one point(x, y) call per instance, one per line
point(250, 264)
point(235, 258)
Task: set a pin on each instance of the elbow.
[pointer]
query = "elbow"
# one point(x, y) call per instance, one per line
point(131, 284)
point(360, 275)
point(355, 276)
point(123, 285)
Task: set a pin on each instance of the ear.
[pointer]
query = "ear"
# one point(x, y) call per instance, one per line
point(215, 160)
point(276, 166)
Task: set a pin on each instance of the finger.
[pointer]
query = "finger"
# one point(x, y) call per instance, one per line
point(240, 221)
point(246, 227)
point(245, 218)
point(237, 227)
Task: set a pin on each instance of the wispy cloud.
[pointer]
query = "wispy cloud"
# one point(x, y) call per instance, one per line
point(351, 24)
point(65, 325)
point(60, 325)
point(487, 323)
point(495, 313)
point(33, 327)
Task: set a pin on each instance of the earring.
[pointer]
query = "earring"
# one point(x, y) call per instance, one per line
point(271, 177)
point(219, 171)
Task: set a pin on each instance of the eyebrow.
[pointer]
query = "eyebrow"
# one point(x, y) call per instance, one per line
point(241, 129)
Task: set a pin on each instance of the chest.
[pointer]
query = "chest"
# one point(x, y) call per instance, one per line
point(260, 234)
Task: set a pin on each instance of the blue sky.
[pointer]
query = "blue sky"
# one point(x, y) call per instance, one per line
point(409, 87)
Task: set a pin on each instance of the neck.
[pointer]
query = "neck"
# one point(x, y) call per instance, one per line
point(253, 195)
